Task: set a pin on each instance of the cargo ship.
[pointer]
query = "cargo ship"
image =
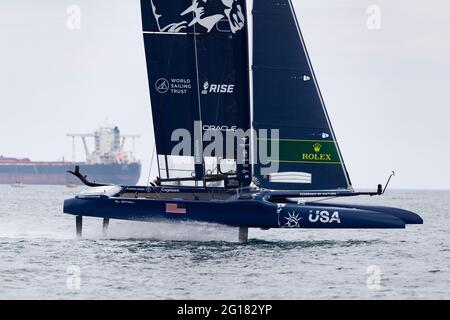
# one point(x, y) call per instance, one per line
point(107, 163)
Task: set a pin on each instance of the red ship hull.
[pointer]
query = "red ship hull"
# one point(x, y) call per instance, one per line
point(25, 171)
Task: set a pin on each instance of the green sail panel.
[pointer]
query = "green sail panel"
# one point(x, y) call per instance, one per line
point(305, 151)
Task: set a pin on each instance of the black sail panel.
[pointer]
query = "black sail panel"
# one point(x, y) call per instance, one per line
point(171, 64)
point(224, 80)
point(174, 95)
point(287, 97)
point(197, 60)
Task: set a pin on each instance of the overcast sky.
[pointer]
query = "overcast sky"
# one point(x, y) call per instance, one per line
point(386, 90)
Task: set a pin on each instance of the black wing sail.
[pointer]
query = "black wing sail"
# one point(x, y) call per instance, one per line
point(197, 61)
point(287, 97)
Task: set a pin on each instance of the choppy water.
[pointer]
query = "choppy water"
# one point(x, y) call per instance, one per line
point(40, 256)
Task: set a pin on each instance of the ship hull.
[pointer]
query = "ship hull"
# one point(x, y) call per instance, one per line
point(251, 211)
point(56, 174)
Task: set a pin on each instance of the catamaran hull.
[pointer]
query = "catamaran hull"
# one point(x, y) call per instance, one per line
point(252, 213)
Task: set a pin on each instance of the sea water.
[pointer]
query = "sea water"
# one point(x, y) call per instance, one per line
point(40, 257)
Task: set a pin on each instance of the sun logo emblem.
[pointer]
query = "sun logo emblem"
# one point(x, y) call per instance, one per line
point(293, 220)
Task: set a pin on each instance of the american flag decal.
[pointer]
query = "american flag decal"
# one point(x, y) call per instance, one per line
point(175, 208)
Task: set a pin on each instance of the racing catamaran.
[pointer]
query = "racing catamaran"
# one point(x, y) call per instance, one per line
point(267, 112)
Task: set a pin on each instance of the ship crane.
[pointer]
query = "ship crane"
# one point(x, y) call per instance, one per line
point(109, 146)
point(133, 137)
point(83, 137)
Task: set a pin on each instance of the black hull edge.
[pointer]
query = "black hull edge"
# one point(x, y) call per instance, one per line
point(252, 213)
